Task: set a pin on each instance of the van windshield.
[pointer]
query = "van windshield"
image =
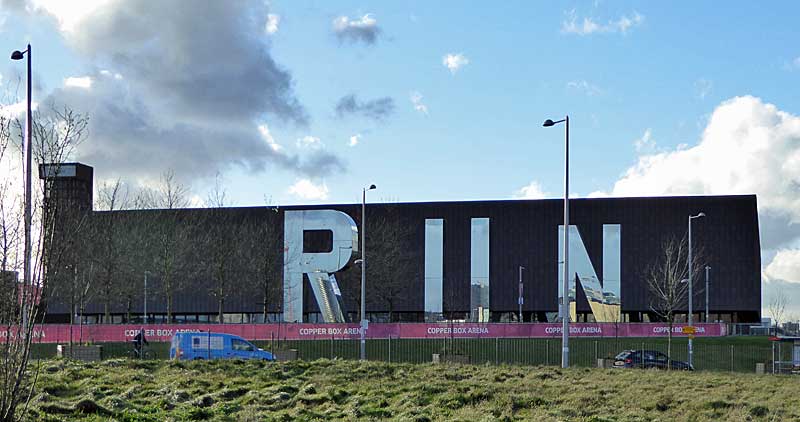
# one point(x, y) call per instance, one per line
point(241, 345)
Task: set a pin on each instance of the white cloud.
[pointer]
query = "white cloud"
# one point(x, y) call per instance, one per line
point(416, 100)
point(645, 143)
point(532, 191)
point(454, 62)
point(785, 266)
point(84, 82)
point(14, 110)
point(267, 136)
point(355, 139)
point(588, 25)
point(702, 87)
point(306, 189)
point(584, 87)
point(309, 141)
point(747, 147)
point(69, 13)
point(109, 74)
point(365, 29)
point(273, 21)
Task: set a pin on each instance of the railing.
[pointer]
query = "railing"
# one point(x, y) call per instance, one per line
point(584, 352)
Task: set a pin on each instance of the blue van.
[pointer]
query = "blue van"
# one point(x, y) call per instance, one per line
point(194, 346)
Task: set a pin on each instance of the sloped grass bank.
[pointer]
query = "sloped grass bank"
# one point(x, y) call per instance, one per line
point(128, 390)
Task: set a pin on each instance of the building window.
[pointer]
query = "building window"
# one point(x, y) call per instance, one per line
point(434, 268)
point(479, 270)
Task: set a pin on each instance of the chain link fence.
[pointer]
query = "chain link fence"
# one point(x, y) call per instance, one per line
point(716, 356)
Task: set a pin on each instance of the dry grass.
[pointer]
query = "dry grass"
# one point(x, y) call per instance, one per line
point(348, 390)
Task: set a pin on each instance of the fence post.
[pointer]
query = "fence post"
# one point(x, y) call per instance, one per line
point(773, 358)
point(595, 351)
point(390, 349)
point(547, 351)
point(331, 346)
point(496, 357)
point(731, 358)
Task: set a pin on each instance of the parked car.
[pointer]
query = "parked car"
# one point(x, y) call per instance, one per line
point(648, 359)
point(195, 346)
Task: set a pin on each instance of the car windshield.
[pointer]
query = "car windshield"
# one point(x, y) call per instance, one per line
point(623, 355)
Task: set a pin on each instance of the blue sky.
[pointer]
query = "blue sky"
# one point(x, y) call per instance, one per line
point(664, 98)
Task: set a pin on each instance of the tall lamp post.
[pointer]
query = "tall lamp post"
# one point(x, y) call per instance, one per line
point(691, 270)
point(520, 293)
point(565, 296)
point(363, 330)
point(144, 315)
point(707, 280)
point(18, 55)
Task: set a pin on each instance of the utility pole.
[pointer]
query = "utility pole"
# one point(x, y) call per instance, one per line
point(520, 300)
point(707, 284)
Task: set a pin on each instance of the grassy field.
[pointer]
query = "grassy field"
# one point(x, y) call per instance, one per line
point(737, 354)
point(125, 390)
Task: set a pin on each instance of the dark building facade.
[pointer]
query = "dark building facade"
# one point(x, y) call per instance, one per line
point(428, 261)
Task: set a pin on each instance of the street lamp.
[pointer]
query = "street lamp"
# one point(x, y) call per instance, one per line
point(565, 295)
point(363, 353)
point(707, 279)
point(520, 293)
point(691, 270)
point(18, 55)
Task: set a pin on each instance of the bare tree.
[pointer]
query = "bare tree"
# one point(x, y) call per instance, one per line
point(55, 133)
point(666, 282)
point(222, 236)
point(172, 235)
point(109, 243)
point(263, 251)
point(390, 268)
point(136, 229)
point(777, 307)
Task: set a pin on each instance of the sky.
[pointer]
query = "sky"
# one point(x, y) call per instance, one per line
point(307, 102)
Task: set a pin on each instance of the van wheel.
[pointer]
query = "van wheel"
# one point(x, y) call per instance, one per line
point(197, 359)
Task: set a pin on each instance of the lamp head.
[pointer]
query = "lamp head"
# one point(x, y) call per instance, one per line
point(371, 187)
point(548, 123)
point(702, 214)
point(17, 55)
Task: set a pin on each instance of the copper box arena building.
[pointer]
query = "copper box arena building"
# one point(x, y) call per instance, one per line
point(426, 261)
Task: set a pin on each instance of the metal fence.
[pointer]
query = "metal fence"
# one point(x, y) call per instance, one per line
point(513, 351)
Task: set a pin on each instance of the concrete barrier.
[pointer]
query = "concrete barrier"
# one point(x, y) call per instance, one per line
point(442, 358)
point(84, 353)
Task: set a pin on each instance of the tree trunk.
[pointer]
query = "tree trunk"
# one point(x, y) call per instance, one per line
point(221, 304)
point(106, 312)
point(80, 323)
point(669, 344)
point(169, 305)
point(128, 311)
point(265, 268)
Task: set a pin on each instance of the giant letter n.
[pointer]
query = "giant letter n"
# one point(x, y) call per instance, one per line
point(317, 266)
point(604, 300)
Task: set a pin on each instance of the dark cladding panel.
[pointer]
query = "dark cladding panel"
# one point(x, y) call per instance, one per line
point(522, 232)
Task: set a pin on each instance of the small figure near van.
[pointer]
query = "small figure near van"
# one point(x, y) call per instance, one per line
point(196, 346)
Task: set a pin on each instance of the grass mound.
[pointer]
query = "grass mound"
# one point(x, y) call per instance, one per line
point(351, 390)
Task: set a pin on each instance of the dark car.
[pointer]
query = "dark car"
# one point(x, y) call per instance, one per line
point(648, 359)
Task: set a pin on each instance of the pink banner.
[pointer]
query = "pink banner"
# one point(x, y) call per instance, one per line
point(58, 333)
